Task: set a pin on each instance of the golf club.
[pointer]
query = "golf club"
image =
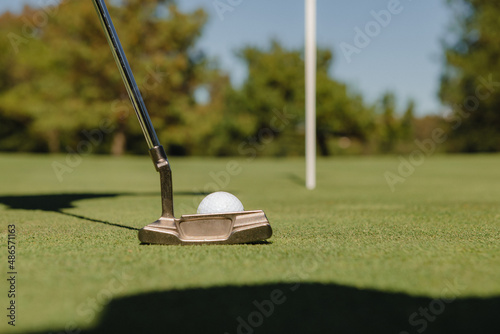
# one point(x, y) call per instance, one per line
point(219, 228)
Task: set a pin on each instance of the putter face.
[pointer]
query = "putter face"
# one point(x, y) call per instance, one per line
point(217, 228)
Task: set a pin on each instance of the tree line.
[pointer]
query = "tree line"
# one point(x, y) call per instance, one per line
point(60, 90)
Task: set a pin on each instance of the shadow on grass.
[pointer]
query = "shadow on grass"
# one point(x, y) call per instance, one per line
point(299, 308)
point(191, 193)
point(56, 203)
point(296, 179)
point(49, 202)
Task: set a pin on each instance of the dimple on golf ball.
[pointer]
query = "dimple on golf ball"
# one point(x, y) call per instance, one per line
point(220, 202)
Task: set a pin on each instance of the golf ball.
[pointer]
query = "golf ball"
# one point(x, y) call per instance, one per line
point(220, 202)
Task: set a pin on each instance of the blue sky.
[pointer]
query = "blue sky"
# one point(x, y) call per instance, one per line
point(403, 56)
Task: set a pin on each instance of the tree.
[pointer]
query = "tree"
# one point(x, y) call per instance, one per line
point(14, 132)
point(266, 115)
point(67, 81)
point(407, 122)
point(389, 123)
point(470, 82)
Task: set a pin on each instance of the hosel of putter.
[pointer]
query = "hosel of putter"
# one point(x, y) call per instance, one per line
point(163, 167)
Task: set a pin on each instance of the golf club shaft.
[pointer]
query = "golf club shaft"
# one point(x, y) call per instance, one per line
point(127, 76)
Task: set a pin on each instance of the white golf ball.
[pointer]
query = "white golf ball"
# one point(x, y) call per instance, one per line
point(220, 202)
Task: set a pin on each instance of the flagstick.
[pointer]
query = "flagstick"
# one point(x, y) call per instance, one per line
point(311, 60)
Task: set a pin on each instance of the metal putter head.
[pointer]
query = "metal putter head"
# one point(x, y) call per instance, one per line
point(223, 228)
point(217, 228)
point(220, 228)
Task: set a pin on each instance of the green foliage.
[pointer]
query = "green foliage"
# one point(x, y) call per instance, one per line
point(266, 116)
point(395, 130)
point(64, 80)
point(407, 122)
point(473, 59)
point(60, 90)
point(389, 123)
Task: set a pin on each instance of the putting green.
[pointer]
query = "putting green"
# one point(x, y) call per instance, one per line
point(350, 256)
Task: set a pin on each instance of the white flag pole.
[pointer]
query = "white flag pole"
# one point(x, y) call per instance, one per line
point(310, 59)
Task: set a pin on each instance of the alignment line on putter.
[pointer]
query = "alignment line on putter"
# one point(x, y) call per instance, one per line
point(219, 228)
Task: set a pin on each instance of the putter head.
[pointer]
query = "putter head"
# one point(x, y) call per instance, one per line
point(217, 228)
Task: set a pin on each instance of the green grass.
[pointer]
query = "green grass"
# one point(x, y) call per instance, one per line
point(366, 258)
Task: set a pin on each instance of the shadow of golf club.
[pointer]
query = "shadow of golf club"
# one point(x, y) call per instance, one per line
point(98, 221)
point(294, 308)
point(58, 202)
